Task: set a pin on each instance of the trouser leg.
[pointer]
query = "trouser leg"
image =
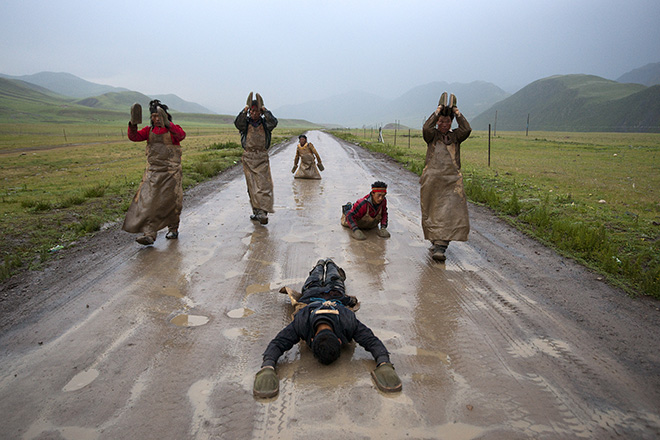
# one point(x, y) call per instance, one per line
point(315, 278)
point(334, 277)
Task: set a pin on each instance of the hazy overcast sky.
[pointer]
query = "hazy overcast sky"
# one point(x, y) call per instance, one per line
point(216, 52)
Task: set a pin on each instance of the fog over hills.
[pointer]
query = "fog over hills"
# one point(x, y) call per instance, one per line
point(69, 85)
point(648, 75)
point(576, 103)
point(562, 102)
point(356, 109)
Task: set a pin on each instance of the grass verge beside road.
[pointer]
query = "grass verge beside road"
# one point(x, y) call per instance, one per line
point(594, 197)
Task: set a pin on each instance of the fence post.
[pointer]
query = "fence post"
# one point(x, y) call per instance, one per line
point(488, 145)
point(64, 131)
point(527, 129)
point(408, 138)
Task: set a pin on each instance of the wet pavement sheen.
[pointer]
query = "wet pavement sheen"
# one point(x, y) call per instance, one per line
point(171, 344)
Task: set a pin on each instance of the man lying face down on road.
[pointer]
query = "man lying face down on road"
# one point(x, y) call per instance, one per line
point(325, 320)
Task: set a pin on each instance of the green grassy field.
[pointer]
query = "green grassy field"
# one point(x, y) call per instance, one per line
point(594, 197)
point(56, 189)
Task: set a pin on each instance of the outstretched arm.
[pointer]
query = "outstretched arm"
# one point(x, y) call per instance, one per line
point(366, 338)
point(283, 342)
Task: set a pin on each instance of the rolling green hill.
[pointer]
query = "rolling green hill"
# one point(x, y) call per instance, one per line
point(22, 102)
point(576, 103)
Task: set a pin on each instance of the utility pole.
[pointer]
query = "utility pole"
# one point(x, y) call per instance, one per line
point(527, 129)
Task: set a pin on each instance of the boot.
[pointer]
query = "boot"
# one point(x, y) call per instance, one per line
point(438, 252)
point(263, 217)
point(172, 234)
point(147, 239)
point(443, 100)
point(452, 101)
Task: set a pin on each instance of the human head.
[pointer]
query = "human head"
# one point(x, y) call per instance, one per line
point(303, 139)
point(444, 124)
point(326, 346)
point(378, 191)
point(155, 117)
point(255, 111)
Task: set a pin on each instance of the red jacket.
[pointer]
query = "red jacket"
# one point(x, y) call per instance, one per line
point(176, 132)
point(362, 207)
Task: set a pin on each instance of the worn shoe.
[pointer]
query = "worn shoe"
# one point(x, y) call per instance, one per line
point(263, 218)
point(172, 235)
point(266, 383)
point(146, 240)
point(443, 100)
point(438, 252)
point(386, 378)
point(358, 235)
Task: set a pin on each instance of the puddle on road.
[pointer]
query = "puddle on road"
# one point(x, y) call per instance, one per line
point(411, 350)
point(240, 313)
point(378, 262)
point(257, 288)
point(189, 320)
point(81, 380)
point(232, 273)
point(172, 291)
point(234, 333)
point(67, 432)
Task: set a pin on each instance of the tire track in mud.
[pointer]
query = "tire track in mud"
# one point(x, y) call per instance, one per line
point(571, 369)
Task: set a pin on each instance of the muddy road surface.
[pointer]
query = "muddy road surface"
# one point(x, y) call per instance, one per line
point(507, 340)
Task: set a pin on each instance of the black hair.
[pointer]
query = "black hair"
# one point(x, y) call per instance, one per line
point(153, 108)
point(302, 136)
point(379, 184)
point(447, 111)
point(326, 347)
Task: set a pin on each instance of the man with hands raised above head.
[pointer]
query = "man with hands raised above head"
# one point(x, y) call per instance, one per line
point(255, 123)
point(442, 196)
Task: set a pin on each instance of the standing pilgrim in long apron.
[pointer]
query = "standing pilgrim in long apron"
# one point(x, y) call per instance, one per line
point(442, 196)
point(159, 198)
point(309, 159)
point(255, 124)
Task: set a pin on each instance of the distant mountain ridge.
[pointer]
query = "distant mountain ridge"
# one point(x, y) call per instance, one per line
point(576, 103)
point(66, 84)
point(69, 85)
point(561, 103)
point(23, 102)
point(648, 75)
point(411, 109)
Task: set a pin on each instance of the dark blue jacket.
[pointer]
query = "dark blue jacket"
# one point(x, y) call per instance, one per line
point(345, 324)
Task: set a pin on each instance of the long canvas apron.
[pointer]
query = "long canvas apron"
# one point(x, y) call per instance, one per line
point(256, 168)
point(442, 197)
point(366, 222)
point(159, 197)
point(307, 169)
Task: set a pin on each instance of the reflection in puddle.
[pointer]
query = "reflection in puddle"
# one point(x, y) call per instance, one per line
point(240, 313)
point(67, 432)
point(81, 380)
point(189, 320)
point(257, 288)
point(172, 291)
point(234, 333)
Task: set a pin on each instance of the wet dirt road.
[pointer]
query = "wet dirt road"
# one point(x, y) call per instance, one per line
point(506, 340)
